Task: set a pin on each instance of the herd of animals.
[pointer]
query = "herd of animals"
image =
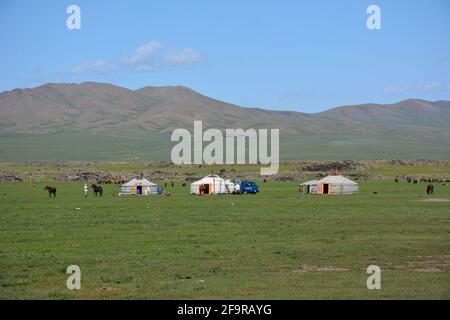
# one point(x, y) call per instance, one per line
point(98, 190)
point(413, 180)
point(430, 186)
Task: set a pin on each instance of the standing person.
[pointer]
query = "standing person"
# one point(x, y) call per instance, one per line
point(86, 190)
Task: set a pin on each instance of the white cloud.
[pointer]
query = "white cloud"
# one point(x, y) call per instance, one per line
point(186, 57)
point(154, 56)
point(97, 66)
point(143, 54)
point(150, 57)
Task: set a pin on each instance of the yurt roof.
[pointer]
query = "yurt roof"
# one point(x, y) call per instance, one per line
point(337, 180)
point(310, 182)
point(139, 182)
point(208, 179)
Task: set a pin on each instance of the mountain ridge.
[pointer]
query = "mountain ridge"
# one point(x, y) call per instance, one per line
point(101, 117)
point(90, 105)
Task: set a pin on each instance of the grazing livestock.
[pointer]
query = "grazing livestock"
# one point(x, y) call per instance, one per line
point(51, 191)
point(98, 191)
point(430, 189)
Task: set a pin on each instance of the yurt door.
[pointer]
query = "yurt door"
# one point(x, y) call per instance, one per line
point(320, 188)
point(205, 189)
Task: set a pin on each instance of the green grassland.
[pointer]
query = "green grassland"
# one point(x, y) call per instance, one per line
point(155, 147)
point(278, 244)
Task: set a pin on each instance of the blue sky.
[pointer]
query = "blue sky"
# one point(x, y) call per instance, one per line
point(296, 55)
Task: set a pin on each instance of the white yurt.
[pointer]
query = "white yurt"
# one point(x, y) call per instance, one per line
point(139, 187)
point(309, 186)
point(212, 184)
point(334, 184)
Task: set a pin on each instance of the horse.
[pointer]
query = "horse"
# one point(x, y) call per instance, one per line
point(97, 190)
point(51, 191)
point(203, 189)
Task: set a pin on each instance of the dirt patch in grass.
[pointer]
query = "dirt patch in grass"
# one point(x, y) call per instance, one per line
point(427, 264)
point(307, 268)
point(428, 269)
point(435, 200)
point(106, 289)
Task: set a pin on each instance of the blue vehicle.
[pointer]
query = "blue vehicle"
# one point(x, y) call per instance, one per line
point(246, 186)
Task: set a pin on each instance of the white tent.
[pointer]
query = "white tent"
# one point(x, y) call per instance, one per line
point(331, 185)
point(212, 184)
point(309, 186)
point(139, 187)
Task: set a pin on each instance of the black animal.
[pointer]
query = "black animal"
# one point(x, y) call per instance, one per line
point(396, 180)
point(97, 190)
point(171, 184)
point(51, 191)
point(183, 184)
point(430, 189)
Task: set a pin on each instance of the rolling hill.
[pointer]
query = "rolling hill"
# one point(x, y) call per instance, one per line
point(90, 121)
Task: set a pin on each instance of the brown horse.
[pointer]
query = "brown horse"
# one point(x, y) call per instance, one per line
point(97, 190)
point(203, 189)
point(51, 191)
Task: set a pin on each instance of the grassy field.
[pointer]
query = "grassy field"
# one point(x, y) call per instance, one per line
point(278, 244)
point(154, 147)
